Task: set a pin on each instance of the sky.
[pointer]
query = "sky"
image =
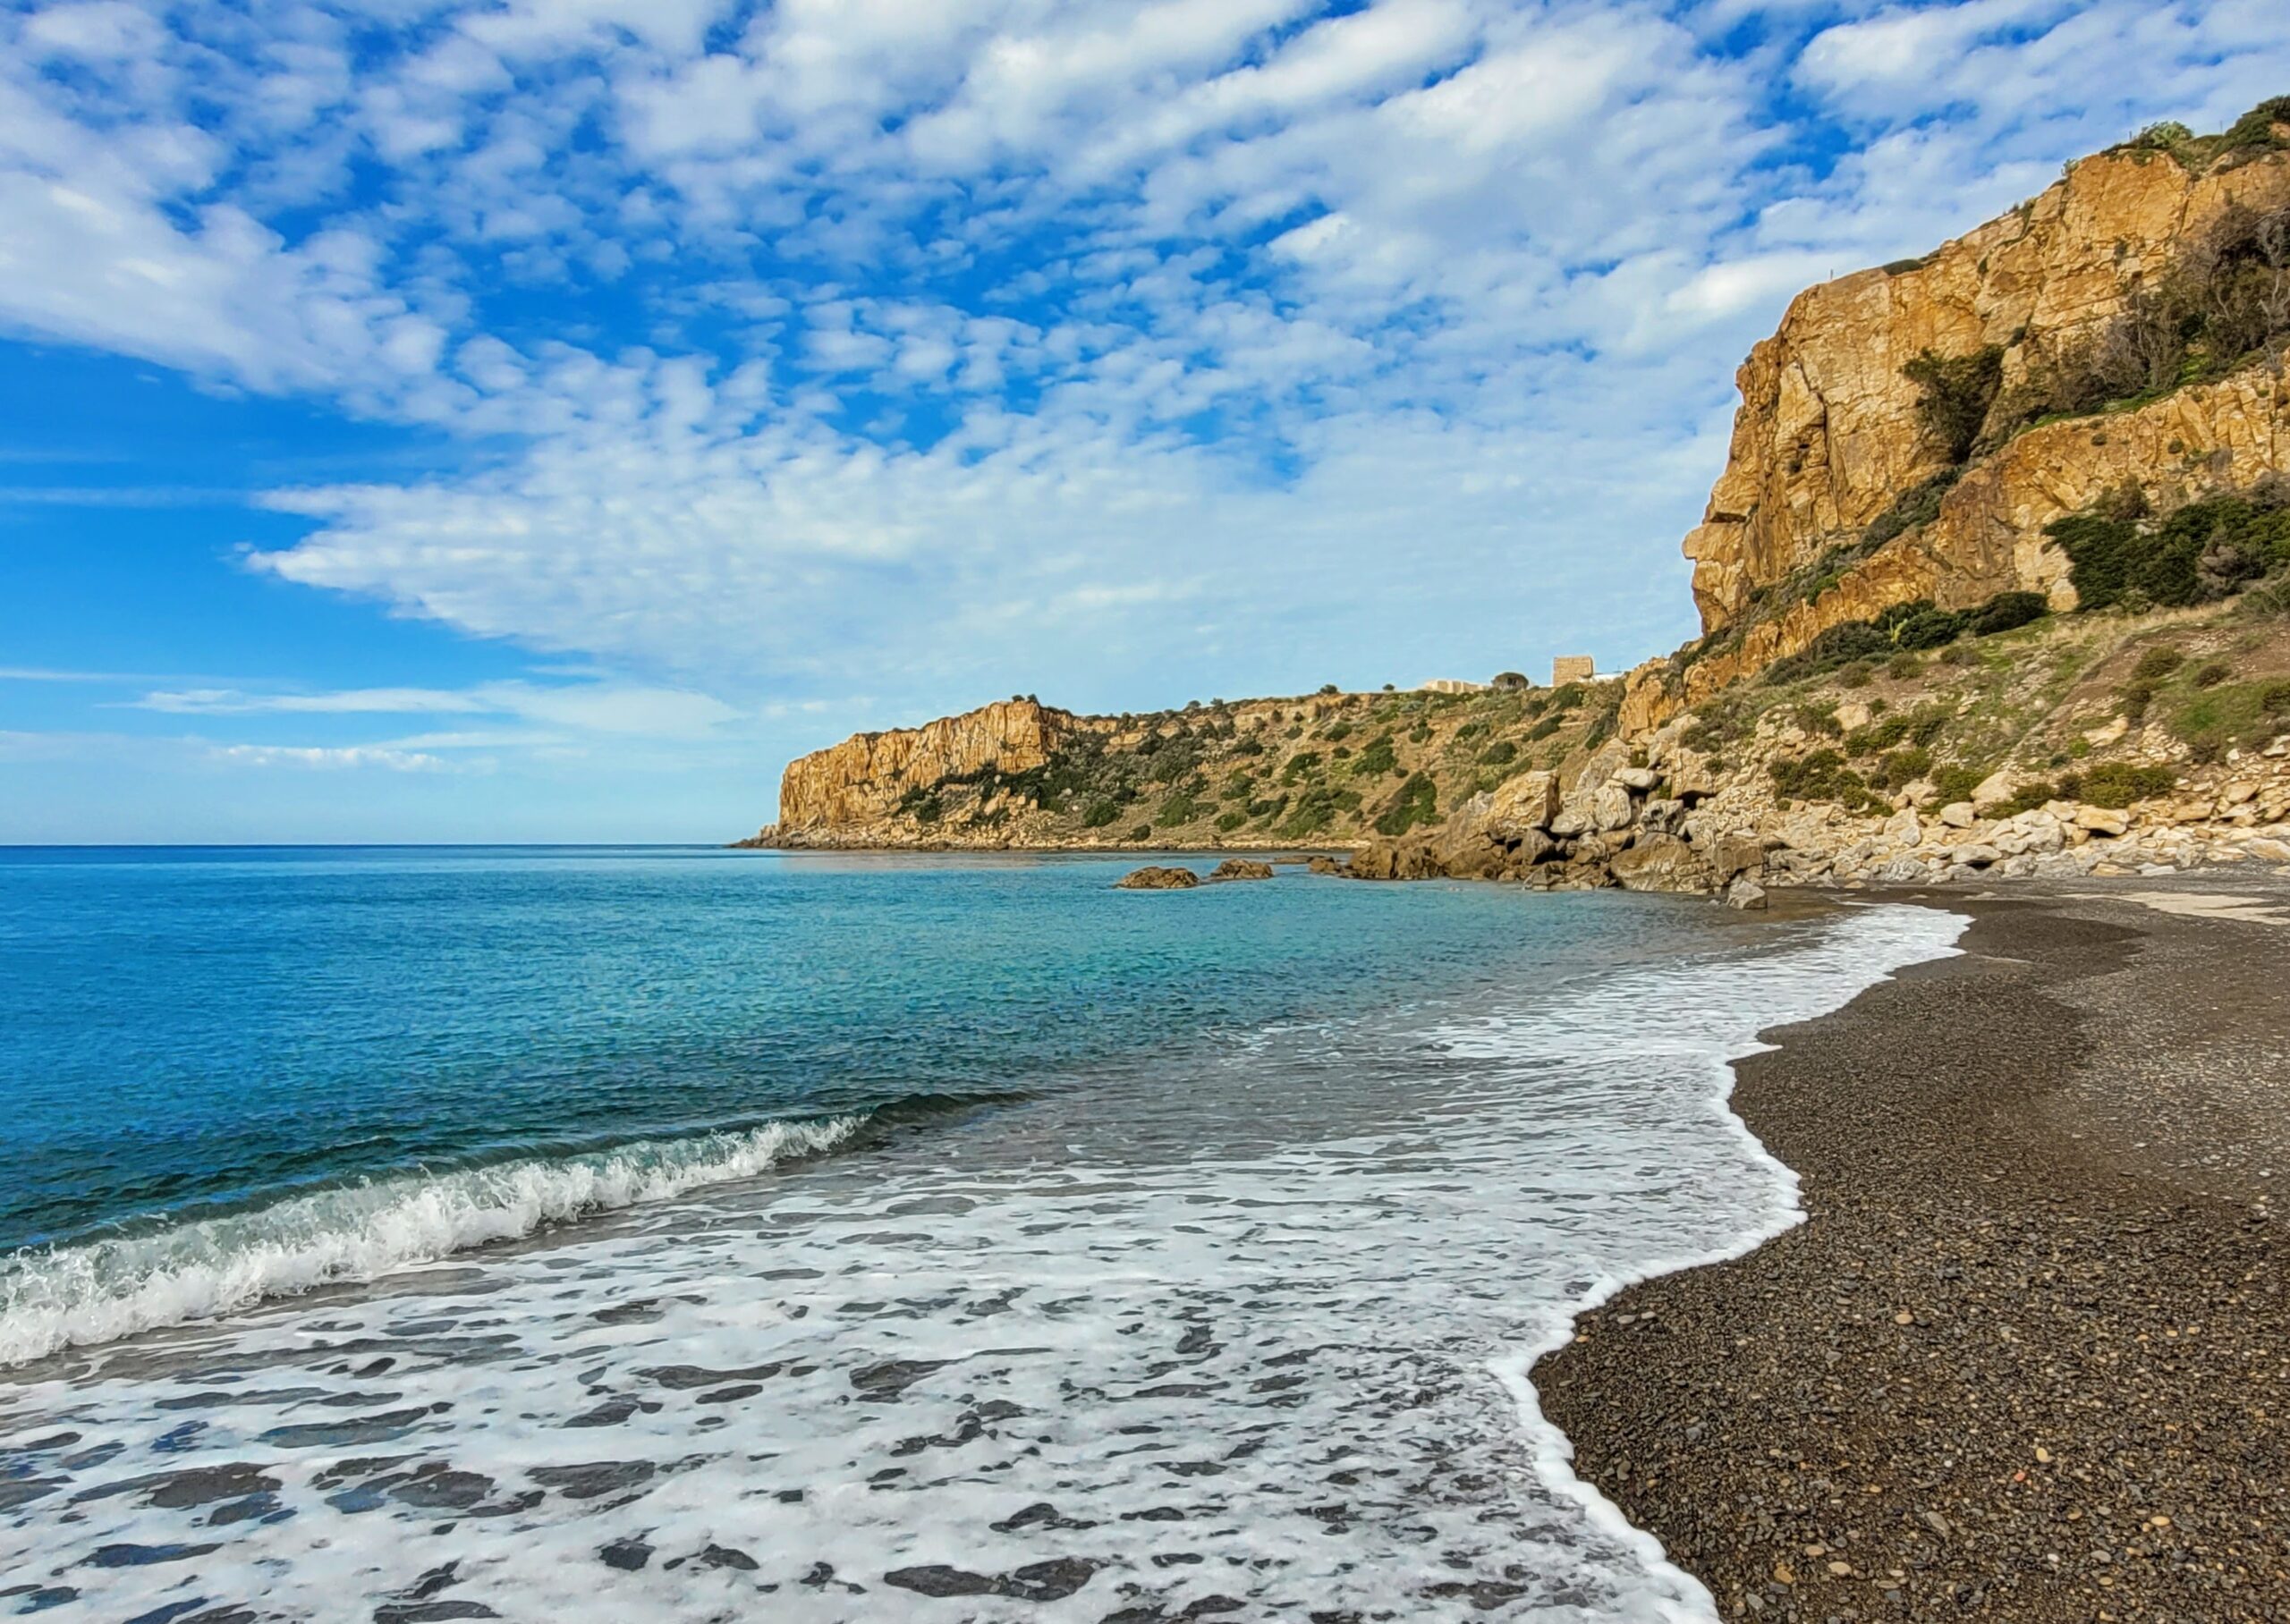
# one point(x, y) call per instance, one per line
point(539, 421)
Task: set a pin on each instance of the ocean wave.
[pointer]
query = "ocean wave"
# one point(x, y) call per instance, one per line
point(97, 1291)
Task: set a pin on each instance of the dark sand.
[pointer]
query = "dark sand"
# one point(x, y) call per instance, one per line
point(2029, 1359)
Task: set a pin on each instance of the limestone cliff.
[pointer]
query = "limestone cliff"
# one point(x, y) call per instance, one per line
point(1831, 437)
point(1828, 435)
point(864, 780)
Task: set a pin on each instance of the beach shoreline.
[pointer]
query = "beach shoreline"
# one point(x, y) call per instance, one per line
point(2026, 1357)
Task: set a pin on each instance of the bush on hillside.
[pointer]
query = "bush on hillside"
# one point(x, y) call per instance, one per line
point(1954, 393)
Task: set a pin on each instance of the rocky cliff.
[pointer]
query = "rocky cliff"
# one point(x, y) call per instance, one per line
point(1841, 494)
point(869, 779)
point(2003, 537)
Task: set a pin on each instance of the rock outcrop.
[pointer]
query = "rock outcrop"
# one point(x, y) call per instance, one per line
point(1828, 435)
point(862, 782)
point(1156, 878)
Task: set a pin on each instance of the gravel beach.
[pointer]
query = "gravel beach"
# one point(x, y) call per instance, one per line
point(2029, 1356)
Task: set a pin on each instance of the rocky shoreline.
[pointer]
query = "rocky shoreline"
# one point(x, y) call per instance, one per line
point(2029, 1354)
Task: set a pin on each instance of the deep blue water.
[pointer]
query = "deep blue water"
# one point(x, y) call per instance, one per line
point(189, 1031)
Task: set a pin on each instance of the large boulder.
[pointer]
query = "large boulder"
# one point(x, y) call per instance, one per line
point(1662, 862)
point(1408, 858)
point(1152, 877)
point(1516, 804)
point(1240, 868)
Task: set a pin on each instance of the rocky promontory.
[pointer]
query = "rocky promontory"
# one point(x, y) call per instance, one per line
point(1995, 583)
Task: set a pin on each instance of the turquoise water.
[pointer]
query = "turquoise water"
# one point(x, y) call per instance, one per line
point(188, 1032)
point(635, 1234)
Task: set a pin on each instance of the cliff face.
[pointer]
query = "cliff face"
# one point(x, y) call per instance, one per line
point(862, 780)
point(1828, 435)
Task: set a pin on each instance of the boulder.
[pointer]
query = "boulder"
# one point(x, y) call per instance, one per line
point(1408, 858)
point(1638, 779)
point(2101, 820)
point(1516, 804)
point(1904, 871)
point(1661, 817)
point(1661, 862)
point(1240, 868)
point(1959, 815)
point(1745, 892)
point(1325, 865)
point(1975, 854)
point(1610, 809)
point(1735, 854)
point(1154, 878)
point(1993, 790)
point(1903, 828)
point(2272, 850)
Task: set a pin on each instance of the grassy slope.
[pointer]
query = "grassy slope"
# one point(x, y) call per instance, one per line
point(2036, 703)
point(1322, 769)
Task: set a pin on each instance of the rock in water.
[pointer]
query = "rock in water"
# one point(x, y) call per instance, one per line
point(1153, 878)
point(1237, 868)
point(1745, 892)
point(1328, 865)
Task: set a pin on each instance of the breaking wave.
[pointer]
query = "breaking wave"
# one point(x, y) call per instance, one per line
point(78, 1295)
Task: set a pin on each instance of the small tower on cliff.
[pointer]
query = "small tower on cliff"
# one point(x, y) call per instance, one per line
point(1571, 668)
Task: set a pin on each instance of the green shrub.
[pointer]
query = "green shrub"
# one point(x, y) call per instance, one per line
point(1543, 729)
point(1816, 719)
point(1918, 504)
point(1901, 768)
point(1226, 822)
point(1954, 393)
point(2205, 551)
point(1957, 783)
point(1501, 754)
point(1919, 624)
point(1859, 674)
point(2274, 699)
point(1178, 810)
point(1904, 667)
point(2212, 674)
point(1960, 653)
point(1144, 831)
point(2006, 611)
point(1837, 646)
point(2137, 695)
point(1100, 814)
point(1822, 775)
point(1270, 807)
point(2156, 663)
point(1377, 756)
point(1305, 764)
point(1417, 802)
point(2117, 784)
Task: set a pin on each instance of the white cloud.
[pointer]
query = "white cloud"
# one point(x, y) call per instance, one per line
point(926, 347)
point(329, 757)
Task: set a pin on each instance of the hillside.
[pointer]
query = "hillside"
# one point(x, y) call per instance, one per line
point(1326, 769)
point(1997, 578)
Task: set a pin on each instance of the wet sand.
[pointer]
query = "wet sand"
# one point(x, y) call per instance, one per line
point(2029, 1356)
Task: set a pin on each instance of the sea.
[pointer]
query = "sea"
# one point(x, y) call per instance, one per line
point(665, 1233)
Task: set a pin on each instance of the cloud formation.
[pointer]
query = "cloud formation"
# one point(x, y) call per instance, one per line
point(928, 349)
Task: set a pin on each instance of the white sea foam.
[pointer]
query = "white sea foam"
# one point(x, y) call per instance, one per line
point(1259, 1333)
point(93, 1293)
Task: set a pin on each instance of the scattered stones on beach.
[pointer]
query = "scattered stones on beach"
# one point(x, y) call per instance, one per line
point(2024, 1360)
point(1241, 868)
point(1154, 877)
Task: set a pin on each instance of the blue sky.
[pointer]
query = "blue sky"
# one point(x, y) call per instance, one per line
point(538, 421)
